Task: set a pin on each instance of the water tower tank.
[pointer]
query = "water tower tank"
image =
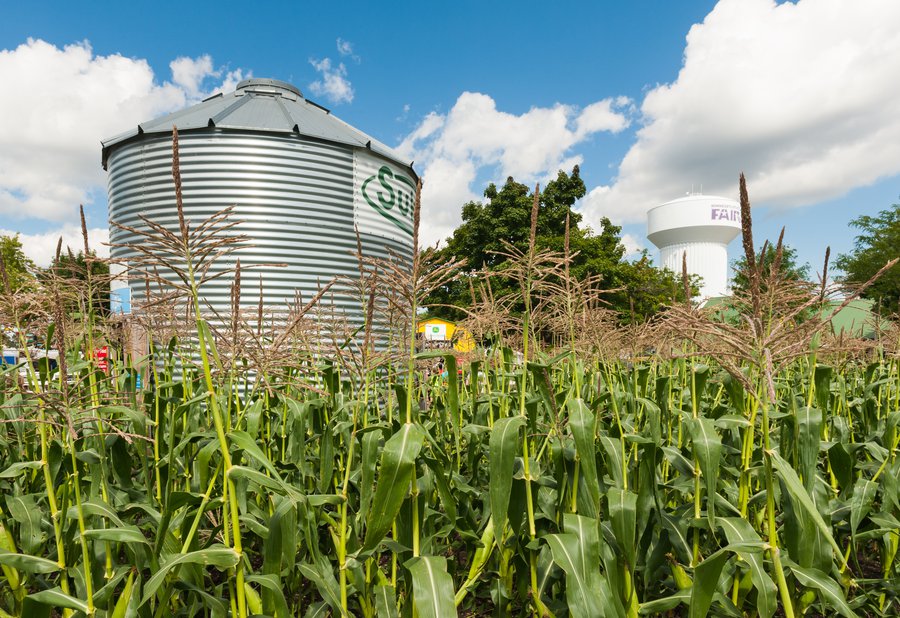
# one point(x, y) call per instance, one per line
point(300, 180)
point(700, 226)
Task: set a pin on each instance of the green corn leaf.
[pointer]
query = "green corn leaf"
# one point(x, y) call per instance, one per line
point(822, 380)
point(581, 422)
point(707, 446)
point(502, 449)
point(623, 514)
point(18, 468)
point(317, 610)
point(369, 459)
point(432, 586)
point(613, 450)
point(861, 502)
point(398, 461)
point(138, 419)
point(247, 443)
point(827, 587)
point(271, 585)
point(217, 555)
point(706, 577)
point(257, 477)
point(385, 601)
point(131, 534)
point(452, 389)
point(27, 563)
point(808, 427)
point(121, 607)
point(583, 599)
point(322, 576)
point(274, 545)
point(442, 485)
point(792, 481)
point(103, 595)
point(24, 510)
point(740, 533)
point(658, 607)
point(55, 597)
point(206, 335)
point(841, 464)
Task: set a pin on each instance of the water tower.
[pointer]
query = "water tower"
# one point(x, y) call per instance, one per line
point(700, 226)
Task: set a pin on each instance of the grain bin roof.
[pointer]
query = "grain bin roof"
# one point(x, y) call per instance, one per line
point(266, 105)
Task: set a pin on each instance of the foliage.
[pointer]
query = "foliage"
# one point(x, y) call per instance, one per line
point(878, 242)
point(73, 268)
point(743, 470)
point(788, 268)
point(621, 449)
point(636, 290)
point(19, 268)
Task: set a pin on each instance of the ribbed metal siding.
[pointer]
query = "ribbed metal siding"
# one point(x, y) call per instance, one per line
point(707, 259)
point(293, 195)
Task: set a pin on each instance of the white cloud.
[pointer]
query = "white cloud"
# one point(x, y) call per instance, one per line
point(333, 84)
point(803, 97)
point(474, 137)
point(189, 73)
point(345, 48)
point(58, 104)
point(42, 247)
point(633, 245)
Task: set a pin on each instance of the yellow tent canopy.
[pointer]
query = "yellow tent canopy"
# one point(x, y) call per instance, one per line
point(438, 333)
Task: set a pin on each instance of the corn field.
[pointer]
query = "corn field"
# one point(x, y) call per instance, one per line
point(691, 467)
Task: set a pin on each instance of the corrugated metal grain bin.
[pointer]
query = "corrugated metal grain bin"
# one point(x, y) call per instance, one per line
point(299, 178)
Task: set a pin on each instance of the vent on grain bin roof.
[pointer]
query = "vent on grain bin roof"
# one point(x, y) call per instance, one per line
point(300, 179)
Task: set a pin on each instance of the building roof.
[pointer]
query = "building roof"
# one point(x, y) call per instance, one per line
point(266, 105)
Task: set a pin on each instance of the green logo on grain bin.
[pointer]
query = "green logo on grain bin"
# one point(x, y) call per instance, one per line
point(392, 196)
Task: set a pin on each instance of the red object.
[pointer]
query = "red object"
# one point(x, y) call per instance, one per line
point(102, 356)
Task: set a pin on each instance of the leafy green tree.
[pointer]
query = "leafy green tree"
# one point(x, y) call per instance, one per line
point(641, 289)
point(877, 243)
point(788, 268)
point(19, 268)
point(73, 268)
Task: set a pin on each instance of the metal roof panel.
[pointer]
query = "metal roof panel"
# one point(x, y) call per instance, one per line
point(265, 105)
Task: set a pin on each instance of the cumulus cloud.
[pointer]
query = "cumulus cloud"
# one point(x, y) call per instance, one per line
point(803, 97)
point(42, 247)
point(333, 83)
point(475, 137)
point(633, 245)
point(193, 75)
point(189, 73)
point(58, 104)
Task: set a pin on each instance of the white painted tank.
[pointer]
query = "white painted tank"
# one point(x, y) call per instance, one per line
point(700, 226)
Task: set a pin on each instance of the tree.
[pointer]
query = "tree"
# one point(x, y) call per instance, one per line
point(641, 289)
point(19, 268)
point(788, 268)
point(878, 243)
point(73, 268)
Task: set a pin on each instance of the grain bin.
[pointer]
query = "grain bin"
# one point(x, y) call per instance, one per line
point(300, 180)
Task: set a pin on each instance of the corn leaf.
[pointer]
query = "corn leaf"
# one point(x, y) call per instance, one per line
point(432, 586)
point(502, 449)
point(398, 460)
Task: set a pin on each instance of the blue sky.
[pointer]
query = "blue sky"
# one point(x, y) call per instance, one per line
point(649, 97)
